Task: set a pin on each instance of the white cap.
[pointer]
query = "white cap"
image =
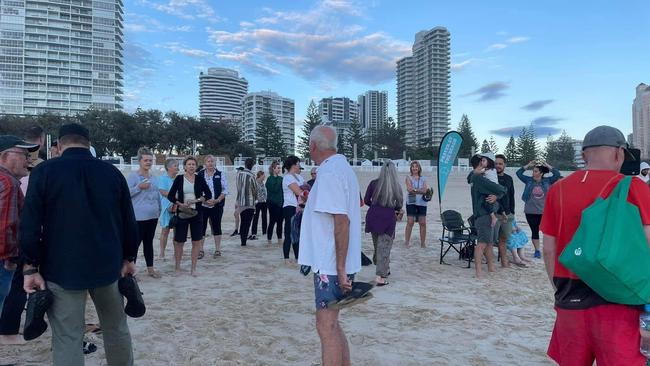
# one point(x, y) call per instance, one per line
point(488, 155)
point(644, 166)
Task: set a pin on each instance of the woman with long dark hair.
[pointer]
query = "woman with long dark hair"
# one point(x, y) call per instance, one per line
point(274, 200)
point(187, 192)
point(291, 183)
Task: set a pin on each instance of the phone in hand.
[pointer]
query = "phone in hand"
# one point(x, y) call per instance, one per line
point(630, 166)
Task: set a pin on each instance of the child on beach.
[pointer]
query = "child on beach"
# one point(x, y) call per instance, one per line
point(516, 243)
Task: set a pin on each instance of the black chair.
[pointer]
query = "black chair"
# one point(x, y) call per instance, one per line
point(456, 236)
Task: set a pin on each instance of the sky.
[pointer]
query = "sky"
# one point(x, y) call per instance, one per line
point(560, 65)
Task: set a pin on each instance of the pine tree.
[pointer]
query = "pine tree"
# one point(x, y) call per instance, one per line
point(511, 151)
point(527, 149)
point(493, 145)
point(268, 139)
point(311, 121)
point(353, 136)
point(560, 153)
point(470, 144)
point(485, 146)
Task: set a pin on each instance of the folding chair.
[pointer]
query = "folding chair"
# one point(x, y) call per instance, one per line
point(456, 236)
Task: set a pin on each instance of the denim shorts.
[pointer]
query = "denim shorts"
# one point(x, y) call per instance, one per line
point(326, 289)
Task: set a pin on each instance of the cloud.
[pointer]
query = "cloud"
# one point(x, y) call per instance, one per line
point(321, 42)
point(537, 105)
point(185, 9)
point(461, 65)
point(139, 66)
point(492, 91)
point(546, 120)
point(176, 47)
point(510, 41)
point(516, 130)
point(138, 23)
point(519, 39)
point(544, 126)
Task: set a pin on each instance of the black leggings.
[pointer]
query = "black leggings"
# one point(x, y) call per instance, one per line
point(214, 214)
point(260, 208)
point(288, 212)
point(147, 230)
point(533, 222)
point(246, 217)
point(275, 217)
point(13, 305)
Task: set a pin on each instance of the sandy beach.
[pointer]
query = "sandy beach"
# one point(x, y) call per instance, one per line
point(248, 308)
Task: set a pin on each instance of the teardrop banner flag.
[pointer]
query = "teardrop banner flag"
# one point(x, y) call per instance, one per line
point(447, 153)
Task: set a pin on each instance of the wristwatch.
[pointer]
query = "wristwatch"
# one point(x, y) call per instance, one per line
point(30, 271)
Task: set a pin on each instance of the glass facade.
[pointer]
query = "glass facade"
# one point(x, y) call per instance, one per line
point(61, 56)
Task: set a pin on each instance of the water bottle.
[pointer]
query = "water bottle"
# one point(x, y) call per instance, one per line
point(644, 328)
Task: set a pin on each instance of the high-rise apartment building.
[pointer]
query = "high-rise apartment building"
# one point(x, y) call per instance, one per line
point(283, 109)
point(221, 93)
point(338, 112)
point(373, 111)
point(641, 120)
point(61, 56)
point(423, 82)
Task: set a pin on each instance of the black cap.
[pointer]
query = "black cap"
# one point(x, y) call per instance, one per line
point(74, 129)
point(9, 141)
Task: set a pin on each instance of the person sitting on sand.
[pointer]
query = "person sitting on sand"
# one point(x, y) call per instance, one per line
point(516, 243)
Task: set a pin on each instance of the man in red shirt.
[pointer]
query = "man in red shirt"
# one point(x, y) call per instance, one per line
point(587, 327)
point(14, 161)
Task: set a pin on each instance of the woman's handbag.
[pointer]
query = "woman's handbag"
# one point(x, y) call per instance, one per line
point(186, 212)
point(609, 251)
point(428, 195)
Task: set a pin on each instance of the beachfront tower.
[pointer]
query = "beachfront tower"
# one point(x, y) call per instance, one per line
point(221, 93)
point(641, 120)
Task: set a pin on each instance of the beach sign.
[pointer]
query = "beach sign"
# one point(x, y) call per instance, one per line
point(447, 153)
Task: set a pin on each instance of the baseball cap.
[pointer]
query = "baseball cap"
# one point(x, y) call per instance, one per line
point(74, 129)
point(9, 141)
point(488, 155)
point(607, 136)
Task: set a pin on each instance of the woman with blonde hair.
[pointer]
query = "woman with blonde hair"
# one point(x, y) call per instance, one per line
point(143, 187)
point(212, 209)
point(167, 208)
point(416, 206)
point(385, 198)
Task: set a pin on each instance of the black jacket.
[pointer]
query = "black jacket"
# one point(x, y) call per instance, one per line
point(201, 189)
point(508, 200)
point(78, 223)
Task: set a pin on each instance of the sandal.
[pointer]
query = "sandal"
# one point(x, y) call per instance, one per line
point(93, 328)
point(360, 293)
point(89, 348)
point(217, 253)
point(154, 274)
point(201, 254)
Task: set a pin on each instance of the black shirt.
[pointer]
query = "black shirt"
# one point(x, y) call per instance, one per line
point(78, 223)
point(507, 202)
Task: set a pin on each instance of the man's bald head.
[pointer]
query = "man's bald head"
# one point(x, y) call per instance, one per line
point(604, 157)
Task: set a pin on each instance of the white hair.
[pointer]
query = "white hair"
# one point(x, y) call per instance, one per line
point(324, 137)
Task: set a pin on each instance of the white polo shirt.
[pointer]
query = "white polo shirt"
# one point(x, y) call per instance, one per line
point(336, 191)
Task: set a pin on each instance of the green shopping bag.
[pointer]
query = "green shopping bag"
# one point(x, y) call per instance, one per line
point(609, 251)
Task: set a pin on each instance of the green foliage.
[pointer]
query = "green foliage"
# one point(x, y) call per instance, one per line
point(485, 146)
point(268, 139)
point(511, 153)
point(354, 135)
point(390, 141)
point(311, 121)
point(527, 149)
point(121, 133)
point(470, 144)
point(493, 145)
point(560, 152)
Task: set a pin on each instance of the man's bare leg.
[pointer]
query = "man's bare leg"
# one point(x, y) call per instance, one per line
point(489, 255)
point(334, 345)
point(503, 253)
point(478, 258)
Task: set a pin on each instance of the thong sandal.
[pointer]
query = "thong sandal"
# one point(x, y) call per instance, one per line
point(217, 253)
point(201, 254)
point(360, 293)
point(89, 347)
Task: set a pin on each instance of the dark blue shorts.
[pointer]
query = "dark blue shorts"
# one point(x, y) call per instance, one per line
point(327, 289)
point(416, 211)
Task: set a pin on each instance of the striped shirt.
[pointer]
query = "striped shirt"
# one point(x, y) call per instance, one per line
point(246, 189)
point(11, 203)
point(261, 192)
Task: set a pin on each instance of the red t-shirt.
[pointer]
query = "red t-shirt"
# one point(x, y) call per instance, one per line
point(565, 202)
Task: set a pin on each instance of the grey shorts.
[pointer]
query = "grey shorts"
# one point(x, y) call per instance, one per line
point(483, 225)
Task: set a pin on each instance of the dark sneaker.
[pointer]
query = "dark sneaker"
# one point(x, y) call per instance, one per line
point(235, 233)
point(37, 305)
point(129, 288)
point(537, 254)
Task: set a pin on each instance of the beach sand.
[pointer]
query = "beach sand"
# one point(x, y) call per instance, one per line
point(248, 308)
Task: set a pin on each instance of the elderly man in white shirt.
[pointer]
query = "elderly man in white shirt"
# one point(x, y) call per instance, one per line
point(330, 239)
